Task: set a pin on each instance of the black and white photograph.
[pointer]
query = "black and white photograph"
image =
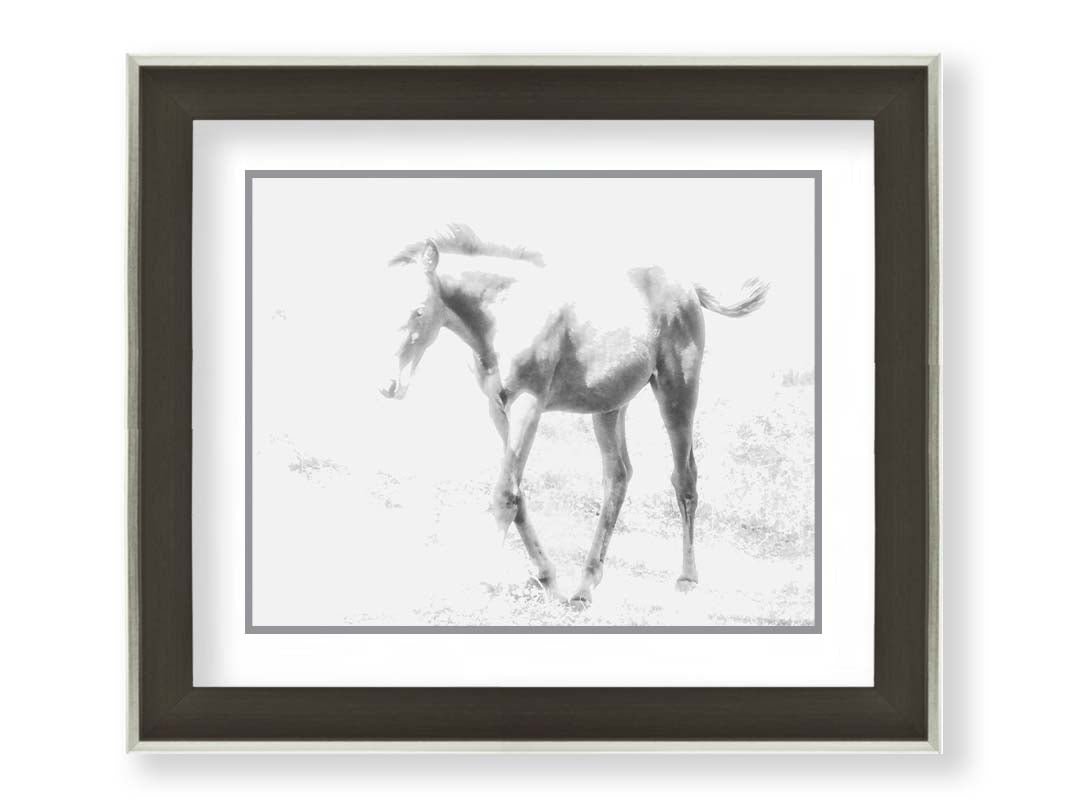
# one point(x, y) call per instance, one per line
point(532, 401)
point(457, 399)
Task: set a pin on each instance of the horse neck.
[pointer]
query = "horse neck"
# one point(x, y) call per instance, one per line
point(469, 288)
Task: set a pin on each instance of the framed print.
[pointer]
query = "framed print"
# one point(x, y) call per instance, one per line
point(547, 403)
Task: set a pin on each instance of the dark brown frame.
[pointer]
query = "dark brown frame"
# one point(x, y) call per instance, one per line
point(901, 100)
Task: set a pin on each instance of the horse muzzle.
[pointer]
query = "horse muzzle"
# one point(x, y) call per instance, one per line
point(396, 388)
point(393, 390)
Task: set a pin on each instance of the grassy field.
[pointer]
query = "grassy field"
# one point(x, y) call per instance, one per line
point(436, 558)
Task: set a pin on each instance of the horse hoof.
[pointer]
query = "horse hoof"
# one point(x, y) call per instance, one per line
point(684, 584)
point(546, 585)
point(580, 602)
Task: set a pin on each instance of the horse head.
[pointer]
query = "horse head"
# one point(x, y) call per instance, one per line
point(416, 306)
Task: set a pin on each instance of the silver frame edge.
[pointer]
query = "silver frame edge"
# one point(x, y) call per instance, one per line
point(133, 571)
point(932, 745)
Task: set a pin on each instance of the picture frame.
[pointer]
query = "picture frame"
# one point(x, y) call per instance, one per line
point(901, 95)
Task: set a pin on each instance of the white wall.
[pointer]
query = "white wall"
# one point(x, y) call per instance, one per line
point(62, 328)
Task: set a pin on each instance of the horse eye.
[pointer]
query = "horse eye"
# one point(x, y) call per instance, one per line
point(420, 311)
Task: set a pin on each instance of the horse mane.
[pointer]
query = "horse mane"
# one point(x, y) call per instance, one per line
point(464, 241)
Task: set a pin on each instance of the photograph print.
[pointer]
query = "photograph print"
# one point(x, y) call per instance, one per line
point(532, 401)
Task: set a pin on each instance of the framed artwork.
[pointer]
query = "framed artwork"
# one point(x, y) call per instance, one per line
point(542, 403)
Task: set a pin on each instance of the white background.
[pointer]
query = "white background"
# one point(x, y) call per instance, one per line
point(320, 245)
point(225, 656)
point(63, 331)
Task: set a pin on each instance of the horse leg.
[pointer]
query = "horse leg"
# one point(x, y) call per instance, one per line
point(509, 503)
point(611, 436)
point(677, 403)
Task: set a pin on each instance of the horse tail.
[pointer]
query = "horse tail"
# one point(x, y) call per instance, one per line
point(756, 294)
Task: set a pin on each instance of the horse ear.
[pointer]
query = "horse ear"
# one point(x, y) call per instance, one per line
point(430, 257)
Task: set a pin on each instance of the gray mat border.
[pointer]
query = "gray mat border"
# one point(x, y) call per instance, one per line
point(250, 628)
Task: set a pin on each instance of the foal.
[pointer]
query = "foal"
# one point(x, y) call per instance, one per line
point(543, 344)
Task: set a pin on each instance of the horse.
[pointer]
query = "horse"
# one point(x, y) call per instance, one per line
point(544, 343)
